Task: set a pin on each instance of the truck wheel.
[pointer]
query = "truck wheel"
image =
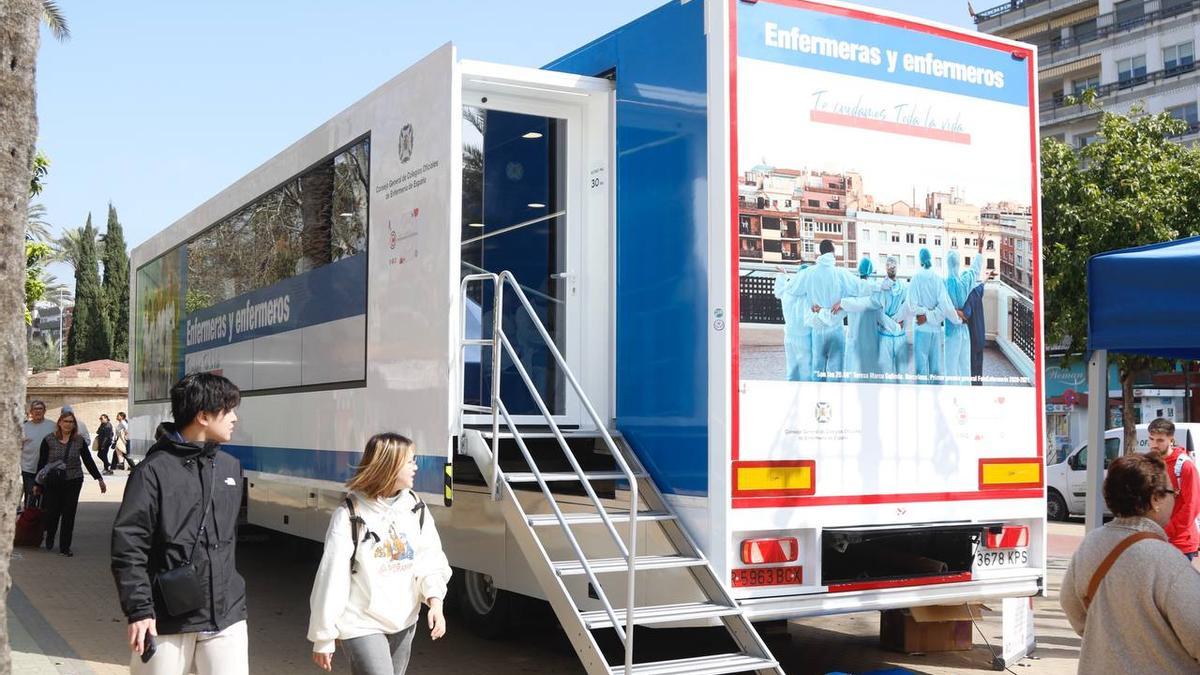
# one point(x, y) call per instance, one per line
point(1056, 506)
point(486, 610)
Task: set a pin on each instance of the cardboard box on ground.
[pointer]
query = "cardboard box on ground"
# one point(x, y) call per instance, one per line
point(941, 628)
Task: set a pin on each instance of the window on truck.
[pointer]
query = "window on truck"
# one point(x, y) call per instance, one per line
point(1112, 450)
point(236, 297)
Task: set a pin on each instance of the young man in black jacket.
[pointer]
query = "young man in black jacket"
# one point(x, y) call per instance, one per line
point(180, 509)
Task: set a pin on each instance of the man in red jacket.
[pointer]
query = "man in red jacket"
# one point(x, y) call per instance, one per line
point(1181, 530)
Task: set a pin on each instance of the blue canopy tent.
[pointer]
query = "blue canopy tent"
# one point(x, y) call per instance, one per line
point(1140, 301)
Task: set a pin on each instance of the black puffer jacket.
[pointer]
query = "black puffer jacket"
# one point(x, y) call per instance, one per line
point(159, 521)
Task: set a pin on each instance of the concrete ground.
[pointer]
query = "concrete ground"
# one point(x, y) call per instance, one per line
point(63, 617)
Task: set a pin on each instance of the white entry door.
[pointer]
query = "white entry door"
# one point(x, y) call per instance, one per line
point(535, 202)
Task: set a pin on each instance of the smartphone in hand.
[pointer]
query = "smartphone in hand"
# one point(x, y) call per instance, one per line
point(148, 648)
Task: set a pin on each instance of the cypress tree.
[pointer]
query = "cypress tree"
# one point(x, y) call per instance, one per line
point(77, 333)
point(91, 334)
point(116, 285)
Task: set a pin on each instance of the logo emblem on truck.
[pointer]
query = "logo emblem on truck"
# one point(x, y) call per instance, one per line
point(406, 143)
point(823, 412)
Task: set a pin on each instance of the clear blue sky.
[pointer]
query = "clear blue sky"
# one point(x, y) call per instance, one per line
point(157, 106)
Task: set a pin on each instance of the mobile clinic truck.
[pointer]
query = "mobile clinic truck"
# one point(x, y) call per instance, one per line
point(565, 285)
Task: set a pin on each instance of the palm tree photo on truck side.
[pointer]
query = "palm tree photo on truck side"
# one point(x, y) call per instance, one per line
point(19, 38)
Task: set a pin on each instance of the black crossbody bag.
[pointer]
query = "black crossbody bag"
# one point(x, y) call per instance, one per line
point(180, 587)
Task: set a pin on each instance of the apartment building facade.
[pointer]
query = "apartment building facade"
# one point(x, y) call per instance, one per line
point(1132, 52)
point(783, 213)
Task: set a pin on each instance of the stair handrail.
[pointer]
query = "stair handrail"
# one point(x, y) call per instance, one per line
point(499, 344)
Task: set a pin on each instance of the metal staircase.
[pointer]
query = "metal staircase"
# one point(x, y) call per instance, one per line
point(637, 502)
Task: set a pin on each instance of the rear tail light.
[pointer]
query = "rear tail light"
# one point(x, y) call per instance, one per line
point(775, 550)
point(1009, 536)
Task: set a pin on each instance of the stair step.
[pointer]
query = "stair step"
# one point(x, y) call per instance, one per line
point(544, 519)
point(701, 665)
point(642, 562)
point(550, 476)
point(652, 614)
point(569, 434)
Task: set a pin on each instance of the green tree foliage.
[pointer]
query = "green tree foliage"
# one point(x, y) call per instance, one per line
point(91, 334)
point(37, 228)
point(68, 246)
point(55, 20)
point(116, 285)
point(36, 253)
point(37, 176)
point(43, 353)
point(1133, 186)
point(37, 232)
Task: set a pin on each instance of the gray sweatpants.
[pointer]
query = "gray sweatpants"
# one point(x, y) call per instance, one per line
point(379, 654)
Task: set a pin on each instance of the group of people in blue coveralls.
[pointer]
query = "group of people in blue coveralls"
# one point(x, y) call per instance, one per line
point(843, 326)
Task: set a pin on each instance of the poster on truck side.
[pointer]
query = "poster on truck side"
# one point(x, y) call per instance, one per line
point(886, 253)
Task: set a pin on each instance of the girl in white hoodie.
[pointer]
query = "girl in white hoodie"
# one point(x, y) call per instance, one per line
point(368, 596)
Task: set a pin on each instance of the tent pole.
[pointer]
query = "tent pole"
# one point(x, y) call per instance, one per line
point(1097, 407)
point(1187, 393)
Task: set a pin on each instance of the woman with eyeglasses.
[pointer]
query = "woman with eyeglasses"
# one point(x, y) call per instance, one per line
point(61, 459)
point(1128, 591)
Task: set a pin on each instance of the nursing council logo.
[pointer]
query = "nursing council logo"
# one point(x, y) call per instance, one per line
point(823, 412)
point(406, 143)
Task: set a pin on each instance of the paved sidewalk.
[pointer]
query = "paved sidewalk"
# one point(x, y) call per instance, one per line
point(64, 618)
point(63, 612)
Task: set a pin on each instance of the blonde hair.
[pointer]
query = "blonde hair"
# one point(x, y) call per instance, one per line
point(382, 460)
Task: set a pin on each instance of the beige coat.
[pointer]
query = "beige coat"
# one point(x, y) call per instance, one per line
point(1145, 616)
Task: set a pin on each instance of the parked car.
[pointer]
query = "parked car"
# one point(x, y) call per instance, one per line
point(1066, 481)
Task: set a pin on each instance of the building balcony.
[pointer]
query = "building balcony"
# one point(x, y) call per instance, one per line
point(836, 189)
point(1092, 41)
point(1005, 15)
point(1059, 109)
point(1191, 137)
point(812, 210)
point(1192, 130)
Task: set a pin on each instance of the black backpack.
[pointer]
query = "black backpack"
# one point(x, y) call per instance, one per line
point(357, 522)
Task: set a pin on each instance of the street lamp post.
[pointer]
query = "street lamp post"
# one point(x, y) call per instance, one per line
point(60, 326)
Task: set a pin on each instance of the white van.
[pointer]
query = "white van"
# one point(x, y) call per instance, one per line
point(1066, 481)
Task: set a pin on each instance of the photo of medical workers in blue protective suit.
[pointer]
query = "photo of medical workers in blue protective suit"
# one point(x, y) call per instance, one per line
point(893, 338)
point(930, 304)
point(833, 291)
point(848, 321)
point(862, 341)
point(797, 334)
point(959, 284)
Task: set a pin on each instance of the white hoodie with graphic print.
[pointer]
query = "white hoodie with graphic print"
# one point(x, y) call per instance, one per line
point(400, 566)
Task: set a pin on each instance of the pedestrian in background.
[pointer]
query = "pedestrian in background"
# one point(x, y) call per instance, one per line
point(61, 459)
point(120, 443)
point(104, 436)
point(33, 430)
point(174, 541)
point(1185, 480)
point(80, 426)
point(1128, 592)
point(383, 560)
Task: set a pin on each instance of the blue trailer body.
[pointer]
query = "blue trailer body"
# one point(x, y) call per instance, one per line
point(659, 62)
